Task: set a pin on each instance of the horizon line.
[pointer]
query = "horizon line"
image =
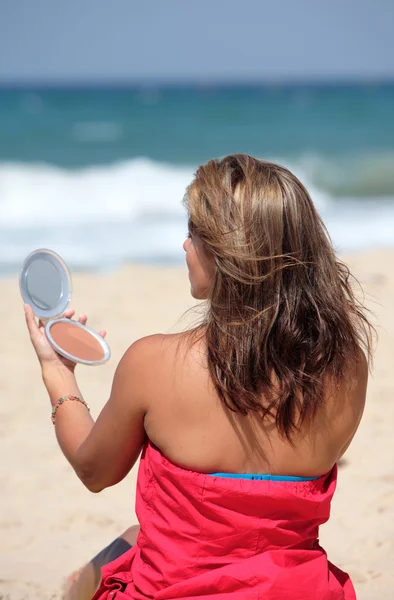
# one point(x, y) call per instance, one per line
point(195, 83)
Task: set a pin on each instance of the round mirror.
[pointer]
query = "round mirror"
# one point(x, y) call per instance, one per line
point(44, 284)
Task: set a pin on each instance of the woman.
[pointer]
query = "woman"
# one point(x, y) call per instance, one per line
point(241, 420)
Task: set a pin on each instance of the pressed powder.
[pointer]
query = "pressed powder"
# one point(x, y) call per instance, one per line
point(76, 341)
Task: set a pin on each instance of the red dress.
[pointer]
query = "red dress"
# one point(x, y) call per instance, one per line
point(214, 538)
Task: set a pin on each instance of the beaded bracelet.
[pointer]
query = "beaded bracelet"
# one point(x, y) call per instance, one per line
point(64, 399)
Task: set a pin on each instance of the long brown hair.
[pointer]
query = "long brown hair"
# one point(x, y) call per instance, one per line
point(281, 310)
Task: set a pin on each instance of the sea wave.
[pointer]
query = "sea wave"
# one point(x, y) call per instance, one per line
point(100, 217)
point(362, 175)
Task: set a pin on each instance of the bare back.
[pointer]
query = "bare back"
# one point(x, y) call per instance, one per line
point(187, 421)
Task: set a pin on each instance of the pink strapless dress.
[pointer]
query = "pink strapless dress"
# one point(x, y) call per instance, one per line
point(214, 538)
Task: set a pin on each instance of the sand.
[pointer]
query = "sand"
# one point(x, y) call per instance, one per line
point(50, 524)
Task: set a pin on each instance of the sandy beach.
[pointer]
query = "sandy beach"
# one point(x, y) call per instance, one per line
point(50, 524)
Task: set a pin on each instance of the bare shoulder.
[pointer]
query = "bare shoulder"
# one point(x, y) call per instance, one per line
point(362, 368)
point(345, 404)
point(153, 350)
point(355, 385)
point(145, 347)
point(154, 368)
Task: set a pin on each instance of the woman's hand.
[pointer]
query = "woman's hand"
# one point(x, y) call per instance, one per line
point(45, 353)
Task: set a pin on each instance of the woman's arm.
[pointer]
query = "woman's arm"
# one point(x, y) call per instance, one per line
point(103, 452)
point(100, 452)
point(73, 421)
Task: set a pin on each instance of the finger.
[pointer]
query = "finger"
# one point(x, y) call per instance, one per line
point(30, 321)
point(103, 333)
point(82, 319)
point(69, 313)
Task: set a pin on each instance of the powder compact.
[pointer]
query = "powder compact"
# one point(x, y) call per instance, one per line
point(45, 284)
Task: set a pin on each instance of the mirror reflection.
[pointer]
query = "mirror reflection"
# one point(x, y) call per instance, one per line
point(44, 284)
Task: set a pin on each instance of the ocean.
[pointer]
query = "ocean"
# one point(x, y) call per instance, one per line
point(98, 175)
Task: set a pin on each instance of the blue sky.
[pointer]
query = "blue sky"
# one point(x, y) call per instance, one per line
point(190, 40)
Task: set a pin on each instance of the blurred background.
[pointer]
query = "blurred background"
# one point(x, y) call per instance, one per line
point(107, 108)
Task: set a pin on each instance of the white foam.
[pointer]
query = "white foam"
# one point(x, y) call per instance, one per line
point(101, 216)
point(47, 195)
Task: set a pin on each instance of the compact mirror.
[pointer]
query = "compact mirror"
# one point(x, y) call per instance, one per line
point(45, 284)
